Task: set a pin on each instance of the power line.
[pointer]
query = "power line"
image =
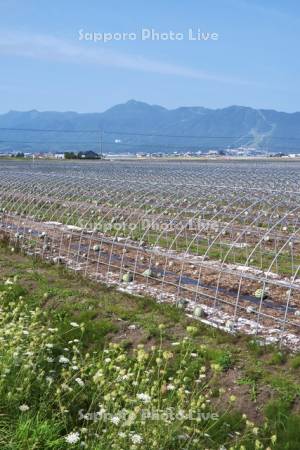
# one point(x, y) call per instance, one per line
point(122, 144)
point(95, 144)
point(49, 130)
point(117, 132)
point(196, 136)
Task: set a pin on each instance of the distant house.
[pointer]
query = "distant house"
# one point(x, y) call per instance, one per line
point(59, 156)
point(88, 155)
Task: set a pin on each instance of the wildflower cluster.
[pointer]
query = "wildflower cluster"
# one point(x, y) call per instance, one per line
point(150, 399)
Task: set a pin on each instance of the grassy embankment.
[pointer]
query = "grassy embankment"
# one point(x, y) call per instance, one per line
point(83, 363)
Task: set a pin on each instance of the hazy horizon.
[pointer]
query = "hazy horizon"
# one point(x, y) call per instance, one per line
point(150, 104)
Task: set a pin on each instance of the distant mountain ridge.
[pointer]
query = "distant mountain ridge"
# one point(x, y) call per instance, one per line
point(139, 127)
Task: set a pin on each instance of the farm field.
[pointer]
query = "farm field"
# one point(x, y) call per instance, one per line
point(149, 225)
point(218, 238)
point(86, 366)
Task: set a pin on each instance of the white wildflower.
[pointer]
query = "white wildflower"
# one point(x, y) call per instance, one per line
point(144, 397)
point(63, 360)
point(136, 439)
point(115, 420)
point(125, 377)
point(72, 438)
point(24, 408)
point(79, 381)
point(49, 380)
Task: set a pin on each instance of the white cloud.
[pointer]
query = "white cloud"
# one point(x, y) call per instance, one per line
point(50, 48)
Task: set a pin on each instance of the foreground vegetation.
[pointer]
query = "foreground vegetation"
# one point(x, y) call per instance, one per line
point(84, 366)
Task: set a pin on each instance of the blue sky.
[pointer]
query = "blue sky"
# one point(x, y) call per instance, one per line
point(254, 62)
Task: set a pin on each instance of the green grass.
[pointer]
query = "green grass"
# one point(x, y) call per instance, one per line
point(234, 373)
point(295, 362)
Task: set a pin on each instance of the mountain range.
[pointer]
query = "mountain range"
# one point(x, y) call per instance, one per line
point(139, 127)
